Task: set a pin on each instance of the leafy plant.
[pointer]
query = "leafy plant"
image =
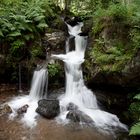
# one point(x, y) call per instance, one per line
point(135, 129)
point(116, 36)
point(135, 109)
point(53, 69)
point(22, 22)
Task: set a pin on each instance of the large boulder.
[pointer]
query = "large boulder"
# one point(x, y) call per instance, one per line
point(48, 108)
point(79, 116)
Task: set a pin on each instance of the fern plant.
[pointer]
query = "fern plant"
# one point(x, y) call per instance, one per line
point(135, 129)
point(22, 22)
point(135, 107)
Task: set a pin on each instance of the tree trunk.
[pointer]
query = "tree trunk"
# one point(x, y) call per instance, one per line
point(67, 4)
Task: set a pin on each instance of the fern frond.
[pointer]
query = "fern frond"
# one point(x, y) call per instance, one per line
point(137, 97)
point(14, 34)
point(42, 25)
point(1, 34)
point(135, 130)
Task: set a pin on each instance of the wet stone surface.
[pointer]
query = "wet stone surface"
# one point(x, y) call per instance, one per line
point(48, 108)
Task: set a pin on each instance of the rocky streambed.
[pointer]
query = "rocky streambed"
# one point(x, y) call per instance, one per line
point(48, 129)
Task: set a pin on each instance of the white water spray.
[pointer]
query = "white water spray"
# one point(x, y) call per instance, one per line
point(39, 84)
point(38, 91)
point(76, 91)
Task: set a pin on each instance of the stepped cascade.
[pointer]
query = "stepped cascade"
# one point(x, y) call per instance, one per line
point(75, 90)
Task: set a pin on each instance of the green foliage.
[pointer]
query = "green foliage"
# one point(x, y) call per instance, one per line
point(116, 35)
point(54, 69)
point(118, 11)
point(137, 97)
point(135, 106)
point(22, 22)
point(36, 51)
point(86, 8)
point(107, 17)
point(135, 37)
point(135, 129)
point(135, 111)
point(110, 58)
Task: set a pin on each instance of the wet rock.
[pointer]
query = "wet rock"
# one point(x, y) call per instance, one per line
point(48, 108)
point(79, 116)
point(83, 34)
point(54, 39)
point(6, 109)
point(71, 42)
point(23, 109)
point(74, 21)
point(73, 116)
point(54, 94)
point(72, 106)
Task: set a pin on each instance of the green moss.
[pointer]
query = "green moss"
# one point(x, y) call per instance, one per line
point(116, 37)
point(111, 58)
point(135, 37)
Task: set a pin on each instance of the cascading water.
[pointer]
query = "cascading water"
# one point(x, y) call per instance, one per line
point(39, 84)
point(76, 92)
point(38, 91)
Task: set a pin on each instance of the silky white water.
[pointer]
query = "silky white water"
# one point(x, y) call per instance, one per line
point(39, 83)
point(38, 91)
point(76, 92)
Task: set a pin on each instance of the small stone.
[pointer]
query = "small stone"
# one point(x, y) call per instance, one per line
point(5, 110)
point(23, 109)
point(79, 116)
point(72, 106)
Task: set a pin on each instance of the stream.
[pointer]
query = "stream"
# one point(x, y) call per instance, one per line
point(45, 129)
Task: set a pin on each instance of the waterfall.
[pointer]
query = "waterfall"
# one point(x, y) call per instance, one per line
point(39, 84)
point(75, 90)
point(38, 91)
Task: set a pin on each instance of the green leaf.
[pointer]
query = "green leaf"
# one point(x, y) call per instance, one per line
point(135, 130)
point(27, 37)
point(14, 34)
point(1, 34)
point(29, 27)
point(137, 97)
point(42, 25)
point(13, 28)
point(39, 18)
